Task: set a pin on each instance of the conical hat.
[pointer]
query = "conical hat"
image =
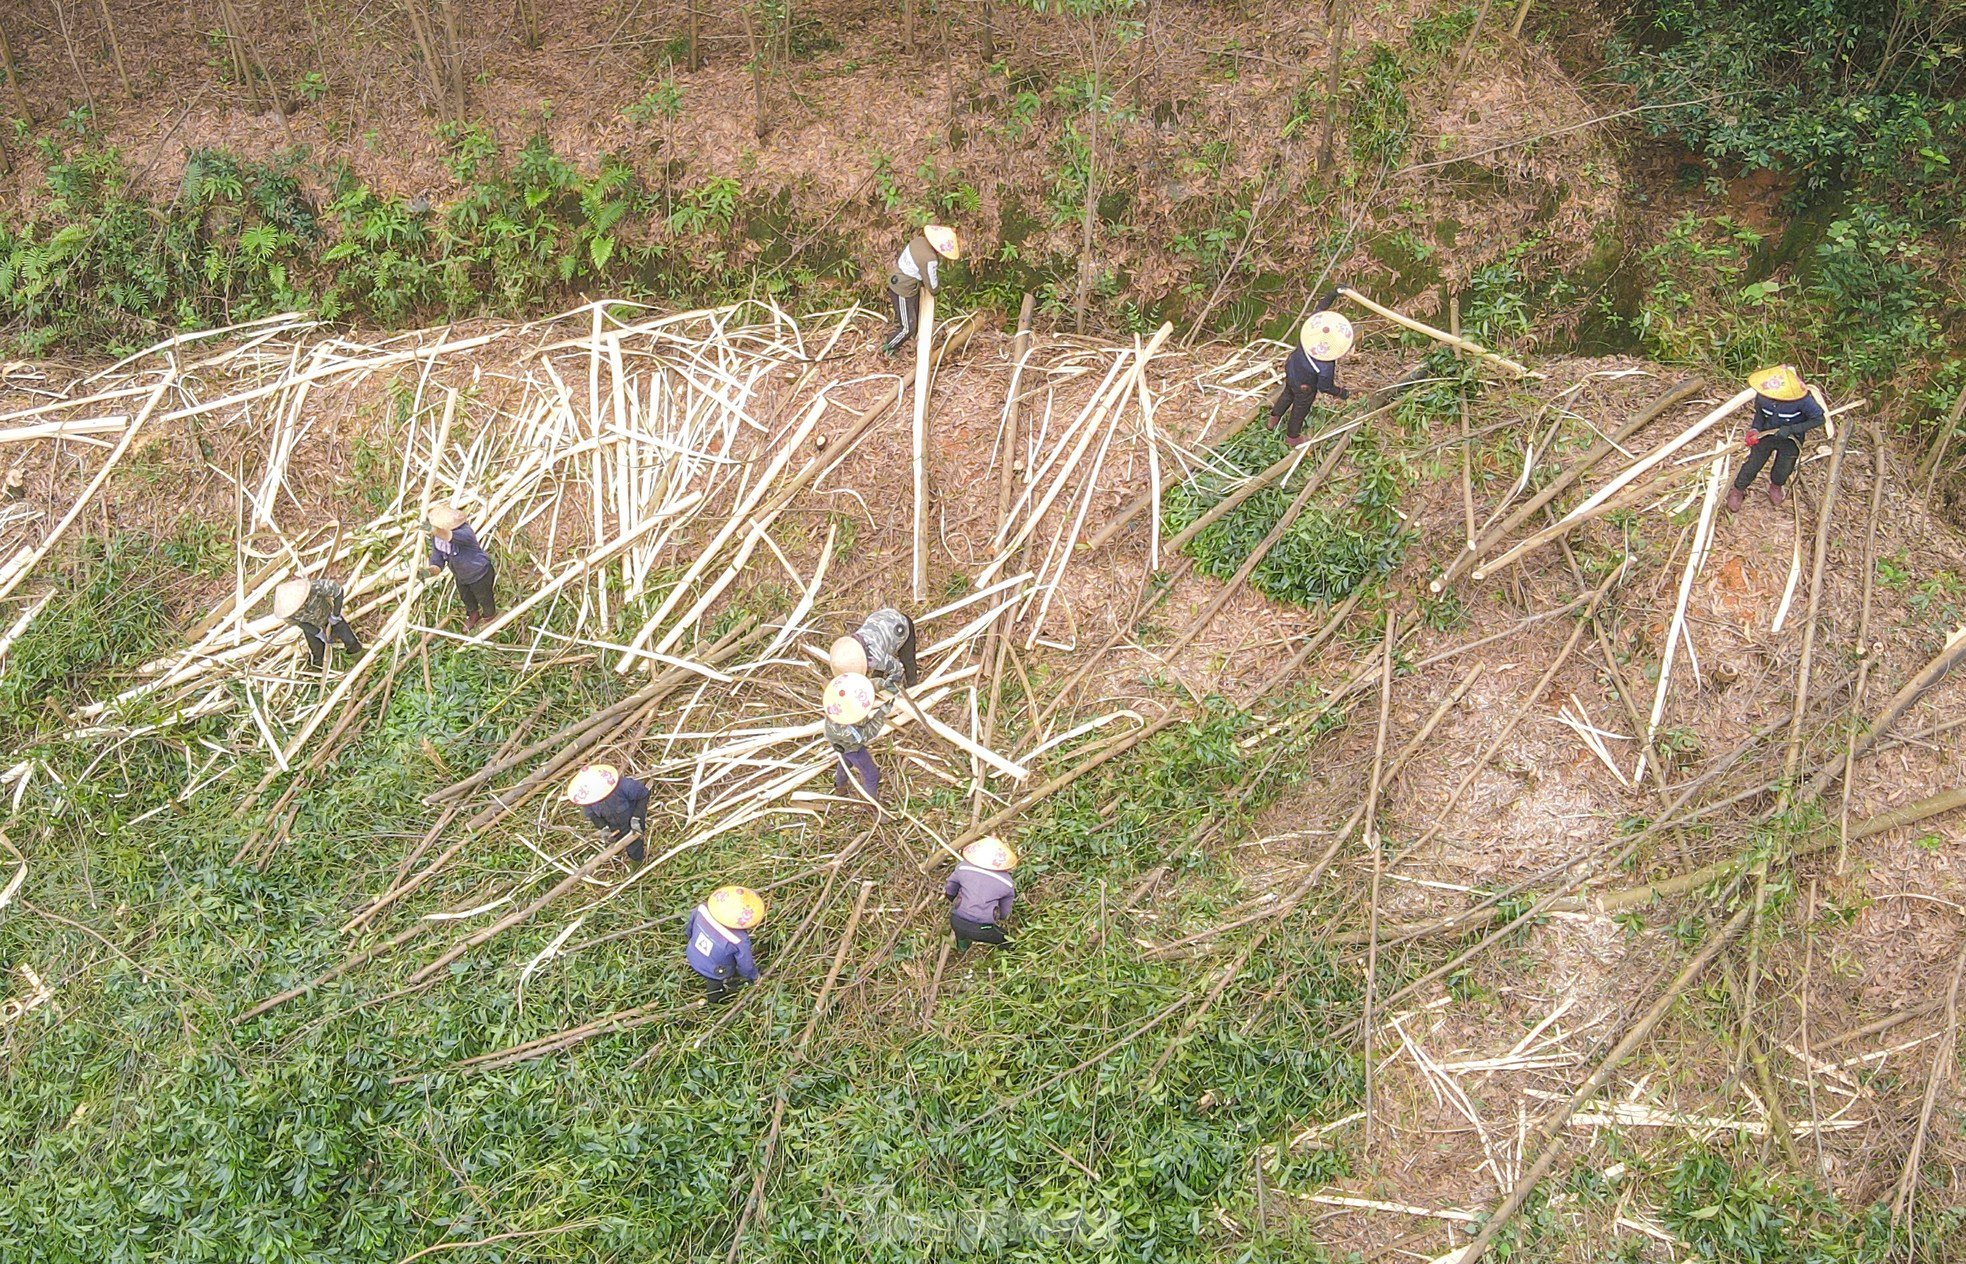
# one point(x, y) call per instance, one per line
point(991, 852)
point(592, 784)
point(849, 699)
point(1781, 381)
point(1327, 336)
point(847, 656)
point(736, 908)
point(445, 517)
point(945, 241)
point(290, 596)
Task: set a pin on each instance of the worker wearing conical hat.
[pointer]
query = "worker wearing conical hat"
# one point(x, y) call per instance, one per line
point(881, 649)
point(853, 719)
point(917, 267)
point(1785, 409)
point(718, 941)
point(454, 547)
point(614, 804)
point(1311, 367)
point(314, 606)
point(980, 892)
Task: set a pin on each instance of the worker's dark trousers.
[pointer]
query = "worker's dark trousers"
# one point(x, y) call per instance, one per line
point(721, 991)
point(968, 932)
point(1785, 451)
point(1296, 406)
point(317, 644)
point(638, 846)
point(906, 294)
point(862, 763)
point(477, 596)
point(907, 656)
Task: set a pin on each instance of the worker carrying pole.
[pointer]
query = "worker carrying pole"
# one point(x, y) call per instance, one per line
point(917, 267)
point(454, 546)
point(314, 606)
point(1785, 409)
point(980, 893)
point(1325, 339)
point(615, 804)
point(718, 941)
point(881, 649)
point(852, 721)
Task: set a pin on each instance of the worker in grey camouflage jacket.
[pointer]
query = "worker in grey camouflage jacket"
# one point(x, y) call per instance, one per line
point(852, 721)
point(881, 649)
point(314, 606)
point(917, 266)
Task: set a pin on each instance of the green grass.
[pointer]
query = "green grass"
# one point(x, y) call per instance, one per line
point(142, 1122)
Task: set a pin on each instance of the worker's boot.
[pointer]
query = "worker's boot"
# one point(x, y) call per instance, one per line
point(1775, 496)
point(1735, 499)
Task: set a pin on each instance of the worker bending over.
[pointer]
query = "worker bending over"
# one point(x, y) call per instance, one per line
point(915, 268)
point(883, 650)
point(852, 721)
point(454, 547)
point(980, 893)
point(718, 941)
point(1312, 367)
point(314, 606)
point(614, 804)
point(1784, 410)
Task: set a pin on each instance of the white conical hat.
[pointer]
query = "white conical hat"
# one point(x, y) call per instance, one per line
point(945, 241)
point(290, 596)
point(991, 852)
point(1327, 336)
point(592, 784)
point(445, 517)
point(849, 699)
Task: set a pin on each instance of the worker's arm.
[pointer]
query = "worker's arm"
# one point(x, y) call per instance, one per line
point(1003, 904)
point(1327, 379)
point(1812, 417)
point(746, 964)
point(1324, 304)
point(952, 888)
point(934, 276)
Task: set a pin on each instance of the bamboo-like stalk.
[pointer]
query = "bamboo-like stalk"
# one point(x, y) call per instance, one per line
point(1623, 480)
point(924, 380)
point(1440, 335)
point(1562, 482)
point(1696, 558)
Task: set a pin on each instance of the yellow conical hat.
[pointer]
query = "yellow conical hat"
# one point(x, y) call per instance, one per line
point(736, 908)
point(1781, 381)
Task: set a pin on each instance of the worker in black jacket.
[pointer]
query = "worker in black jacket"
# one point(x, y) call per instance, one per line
point(1785, 409)
point(1312, 367)
point(615, 804)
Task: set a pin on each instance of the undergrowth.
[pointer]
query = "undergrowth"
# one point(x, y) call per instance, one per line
point(1350, 537)
point(144, 1122)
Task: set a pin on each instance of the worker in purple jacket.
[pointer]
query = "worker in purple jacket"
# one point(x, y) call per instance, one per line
point(980, 893)
point(454, 546)
point(1311, 367)
point(613, 803)
point(718, 942)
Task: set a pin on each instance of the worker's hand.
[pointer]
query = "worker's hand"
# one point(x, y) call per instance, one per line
point(436, 570)
point(1751, 437)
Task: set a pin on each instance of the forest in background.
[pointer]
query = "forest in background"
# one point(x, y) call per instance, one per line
point(1722, 186)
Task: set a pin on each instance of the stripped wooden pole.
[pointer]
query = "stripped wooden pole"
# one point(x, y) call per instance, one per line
point(1440, 335)
point(924, 378)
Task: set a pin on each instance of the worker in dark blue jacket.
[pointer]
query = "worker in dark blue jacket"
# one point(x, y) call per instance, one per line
point(616, 804)
point(1785, 409)
point(454, 547)
point(718, 941)
point(1312, 367)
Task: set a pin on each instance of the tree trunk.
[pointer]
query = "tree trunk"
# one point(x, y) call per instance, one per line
point(1340, 22)
point(986, 38)
point(453, 59)
point(756, 48)
point(13, 74)
point(420, 31)
point(908, 27)
point(1086, 264)
point(1144, 62)
point(235, 48)
point(695, 59)
point(529, 22)
point(68, 44)
point(115, 50)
